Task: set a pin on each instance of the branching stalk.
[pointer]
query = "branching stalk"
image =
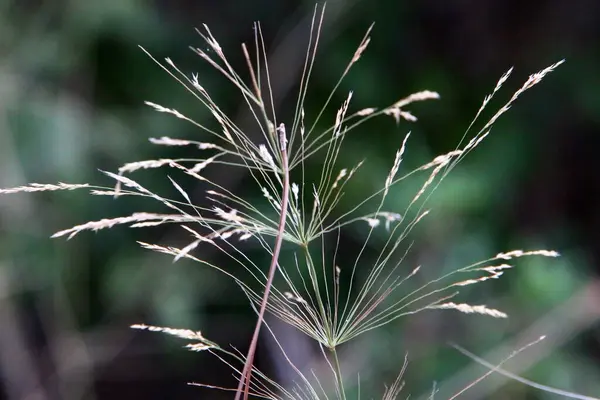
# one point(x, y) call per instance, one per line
point(244, 383)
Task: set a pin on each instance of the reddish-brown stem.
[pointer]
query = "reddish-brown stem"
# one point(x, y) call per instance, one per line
point(244, 382)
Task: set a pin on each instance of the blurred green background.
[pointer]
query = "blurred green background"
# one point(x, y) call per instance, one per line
point(72, 86)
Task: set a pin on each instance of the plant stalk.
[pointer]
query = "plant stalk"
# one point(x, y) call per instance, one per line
point(244, 383)
point(338, 374)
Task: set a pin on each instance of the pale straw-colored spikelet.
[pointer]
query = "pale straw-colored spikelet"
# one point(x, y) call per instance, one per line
point(127, 182)
point(110, 193)
point(340, 176)
point(499, 84)
point(398, 113)
point(521, 253)
point(470, 309)
point(228, 215)
point(186, 250)
point(160, 108)
point(198, 347)
point(197, 85)
point(493, 275)
point(180, 190)
point(245, 236)
point(295, 191)
point(180, 333)
point(155, 247)
point(221, 122)
point(42, 187)
point(366, 111)
point(503, 79)
point(146, 164)
point(134, 218)
point(294, 298)
point(373, 222)
point(167, 141)
point(201, 165)
point(362, 47)
point(396, 166)
point(266, 194)
point(201, 238)
point(414, 271)
point(431, 178)
point(205, 146)
point(276, 204)
point(494, 268)
point(215, 193)
point(265, 155)
point(420, 217)
point(536, 78)
point(390, 217)
point(476, 140)
point(194, 174)
point(442, 159)
point(173, 251)
point(418, 96)
point(212, 42)
point(353, 170)
point(531, 81)
point(339, 117)
point(202, 345)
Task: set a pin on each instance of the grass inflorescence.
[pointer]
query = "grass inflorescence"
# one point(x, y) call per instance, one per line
point(308, 293)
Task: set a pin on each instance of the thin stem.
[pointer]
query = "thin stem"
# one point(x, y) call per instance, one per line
point(338, 374)
point(247, 371)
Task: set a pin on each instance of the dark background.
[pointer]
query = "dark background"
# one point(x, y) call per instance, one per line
point(72, 86)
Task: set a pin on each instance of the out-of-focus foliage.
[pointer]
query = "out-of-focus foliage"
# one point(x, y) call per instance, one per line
point(72, 86)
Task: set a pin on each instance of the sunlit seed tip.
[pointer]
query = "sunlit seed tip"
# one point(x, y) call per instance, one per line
point(390, 178)
point(41, 187)
point(167, 141)
point(201, 165)
point(373, 222)
point(228, 216)
point(521, 253)
point(366, 111)
point(470, 309)
point(198, 347)
point(293, 298)
point(181, 333)
point(245, 236)
point(340, 176)
point(265, 155)
point(341, 114)
point(423, 215)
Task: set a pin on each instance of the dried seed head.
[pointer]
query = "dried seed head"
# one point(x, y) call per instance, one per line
point(521, 253)
point(469, 309)
point(396, 166)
